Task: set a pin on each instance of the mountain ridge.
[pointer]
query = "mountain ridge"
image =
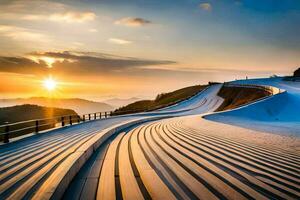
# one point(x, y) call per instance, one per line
point(81, 106)
point(119, 102)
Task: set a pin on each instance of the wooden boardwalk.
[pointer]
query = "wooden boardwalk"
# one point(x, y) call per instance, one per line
point(27, 166)
point(183, 157)
point(167, 159)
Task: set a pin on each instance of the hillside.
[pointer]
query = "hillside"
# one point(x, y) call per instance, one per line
point(29, 112)
point(295, 77)
point(81, 106)
point(161, 101)
point(117, 102)
point(238, 96)
point(297, 73)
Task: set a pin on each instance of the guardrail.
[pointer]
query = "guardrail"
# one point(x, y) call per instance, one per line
point(13, 130)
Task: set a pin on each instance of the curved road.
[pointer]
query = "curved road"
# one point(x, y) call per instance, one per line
point(183, 157)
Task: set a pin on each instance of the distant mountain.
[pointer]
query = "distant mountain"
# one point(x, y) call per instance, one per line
point(29, 112)
point(117, 103)
point(81, 106)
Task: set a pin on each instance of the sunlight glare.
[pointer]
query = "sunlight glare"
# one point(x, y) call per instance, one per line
point(49, 84)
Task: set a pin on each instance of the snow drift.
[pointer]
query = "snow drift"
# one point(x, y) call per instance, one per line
point(279, 113)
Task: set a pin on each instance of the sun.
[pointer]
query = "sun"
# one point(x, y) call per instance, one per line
point(50, 84)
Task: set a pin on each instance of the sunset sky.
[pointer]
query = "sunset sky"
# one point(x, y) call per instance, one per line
point(99, 49)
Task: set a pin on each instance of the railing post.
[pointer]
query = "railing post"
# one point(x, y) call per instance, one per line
point(89, 117)
point(110, 113)
point(105, 114)
point(62, 121)
point(83, 118)
point(36, 126)
point(78, 119)
point(70, 117)
point(100, 115)
point(95, 116)
point(6, 135)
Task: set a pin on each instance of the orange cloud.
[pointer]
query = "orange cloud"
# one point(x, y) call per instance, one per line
point(43, 10)
point(73, 16)
point(68, 17)
point(134, 22)
point(76, 63)
point(22, 34)
point(119, 41)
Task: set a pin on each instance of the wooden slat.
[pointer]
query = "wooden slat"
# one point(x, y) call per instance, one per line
point(214, 181)
point(33, 157)
point(253, 169)
point(57, 155)
point(169, 179)
point(55, 177)
point(188, 143)
point(153, 183)
point(129, 185)
point(262, 154)
point(106, 188)
point(198, 189)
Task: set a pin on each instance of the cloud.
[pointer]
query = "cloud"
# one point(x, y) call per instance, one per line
point(93, 30)
point(119, 41)
point(75, 63)
point(73, 16)
point(78, 43)
point(21, 65)
point(205, 6)
point(134, 22)
point(18, 8)
point(22, 34)
point(5, 28)
point(39, 10)
point(210, 70)
point(69, 17)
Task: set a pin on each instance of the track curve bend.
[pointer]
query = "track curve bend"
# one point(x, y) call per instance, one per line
point(168, 154)
point(174, 159)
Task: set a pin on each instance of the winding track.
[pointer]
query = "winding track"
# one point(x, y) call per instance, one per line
point(164, 159)
point(168, 159)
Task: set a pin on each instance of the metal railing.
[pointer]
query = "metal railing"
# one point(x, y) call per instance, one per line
point(12, 130)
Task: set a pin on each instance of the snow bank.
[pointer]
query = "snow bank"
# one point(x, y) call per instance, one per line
point(279, 113)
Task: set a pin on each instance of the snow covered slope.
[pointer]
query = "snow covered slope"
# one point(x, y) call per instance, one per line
point(277, 114)
point(205, 101)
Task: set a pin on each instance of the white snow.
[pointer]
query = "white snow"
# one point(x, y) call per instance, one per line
point(277, 114)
